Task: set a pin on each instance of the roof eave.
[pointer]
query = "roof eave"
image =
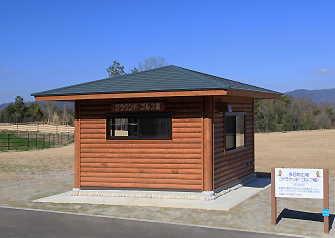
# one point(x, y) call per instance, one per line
point(131, 95)
point(253, 94)
point(216, 92)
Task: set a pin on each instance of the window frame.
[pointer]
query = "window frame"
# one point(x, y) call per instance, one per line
point(111, 116)
point(226, 114)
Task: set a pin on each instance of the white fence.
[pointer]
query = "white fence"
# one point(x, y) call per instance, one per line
point(44, 128)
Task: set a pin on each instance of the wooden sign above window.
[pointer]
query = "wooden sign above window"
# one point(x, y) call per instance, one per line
point(139, 107)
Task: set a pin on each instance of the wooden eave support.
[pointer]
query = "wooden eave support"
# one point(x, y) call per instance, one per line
point(230, 92)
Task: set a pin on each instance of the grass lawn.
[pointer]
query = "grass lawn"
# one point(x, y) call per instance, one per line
point(13, 140)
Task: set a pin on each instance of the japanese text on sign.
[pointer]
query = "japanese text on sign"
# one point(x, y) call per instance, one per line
point(138, 107)
point(299, 183)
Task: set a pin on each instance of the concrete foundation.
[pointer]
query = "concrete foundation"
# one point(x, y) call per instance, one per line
point(204, 196)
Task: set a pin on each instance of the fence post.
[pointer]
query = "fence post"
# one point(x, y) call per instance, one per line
point(61, 138)
point(36, 140)
point(28, 141)
point(68, 137)
point(8, 141)
point(49, 140)
point(43, 141)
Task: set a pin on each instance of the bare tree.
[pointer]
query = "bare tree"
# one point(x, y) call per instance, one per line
point(55, 118)
point(49, 109)
point(323, 121)
point(152, 63)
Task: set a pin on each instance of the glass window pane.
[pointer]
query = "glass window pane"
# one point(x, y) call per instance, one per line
point(230, 132)
point(240, 130)
point(124, 127)
point(154, 128)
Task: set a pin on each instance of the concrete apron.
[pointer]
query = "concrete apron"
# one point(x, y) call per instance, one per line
point(186, 199)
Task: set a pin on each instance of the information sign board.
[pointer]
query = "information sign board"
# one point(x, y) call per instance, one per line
point(299, 183)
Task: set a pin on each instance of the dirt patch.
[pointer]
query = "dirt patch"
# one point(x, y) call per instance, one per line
point(303, 149)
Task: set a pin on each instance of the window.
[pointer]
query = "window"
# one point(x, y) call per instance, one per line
point(139, 126)
point(234, 130)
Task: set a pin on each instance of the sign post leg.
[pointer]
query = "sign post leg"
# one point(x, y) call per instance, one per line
point(326, 199)
point(273, 199)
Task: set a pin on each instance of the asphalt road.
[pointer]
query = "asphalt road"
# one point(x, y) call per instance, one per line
point(33, 223)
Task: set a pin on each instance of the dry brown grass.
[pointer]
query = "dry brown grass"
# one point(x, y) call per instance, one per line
point(298, 149)
point(35, 165)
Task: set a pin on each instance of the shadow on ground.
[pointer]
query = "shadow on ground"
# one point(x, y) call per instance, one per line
point(307, 216)
point(263, 175)
point(263, 180)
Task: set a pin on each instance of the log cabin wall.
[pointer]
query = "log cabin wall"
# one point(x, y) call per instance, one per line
point(232, 165)
point(142, 164)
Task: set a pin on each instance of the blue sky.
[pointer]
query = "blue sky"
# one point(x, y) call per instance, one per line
point(279, 45)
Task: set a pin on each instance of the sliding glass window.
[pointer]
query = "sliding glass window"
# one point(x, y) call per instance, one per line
point(234, 130)
point(139, 126)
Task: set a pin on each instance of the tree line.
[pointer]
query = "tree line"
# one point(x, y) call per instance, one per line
point(271, 115)
point(292, 114)
point(19, 112)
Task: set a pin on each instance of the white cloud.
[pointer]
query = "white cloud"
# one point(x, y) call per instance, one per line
point(6, 69)
point(324, 71)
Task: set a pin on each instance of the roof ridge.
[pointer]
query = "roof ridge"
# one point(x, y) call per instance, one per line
point(193, 73)
point(233, 81)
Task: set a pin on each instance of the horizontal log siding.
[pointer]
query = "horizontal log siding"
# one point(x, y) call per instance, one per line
point(143, 164)
point(232, 165)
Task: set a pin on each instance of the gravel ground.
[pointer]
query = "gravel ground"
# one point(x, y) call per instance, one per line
point(29, 175)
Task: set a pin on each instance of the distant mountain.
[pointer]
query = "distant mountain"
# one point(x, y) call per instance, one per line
point(4, 105)
point(315, 95)
point(59, 104)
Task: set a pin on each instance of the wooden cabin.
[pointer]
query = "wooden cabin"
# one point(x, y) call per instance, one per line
point(168, 128)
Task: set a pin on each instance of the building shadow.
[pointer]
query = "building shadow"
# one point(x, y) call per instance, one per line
point(258, 183)
point(263, 180)
point(308, 216)
point(263, 175)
